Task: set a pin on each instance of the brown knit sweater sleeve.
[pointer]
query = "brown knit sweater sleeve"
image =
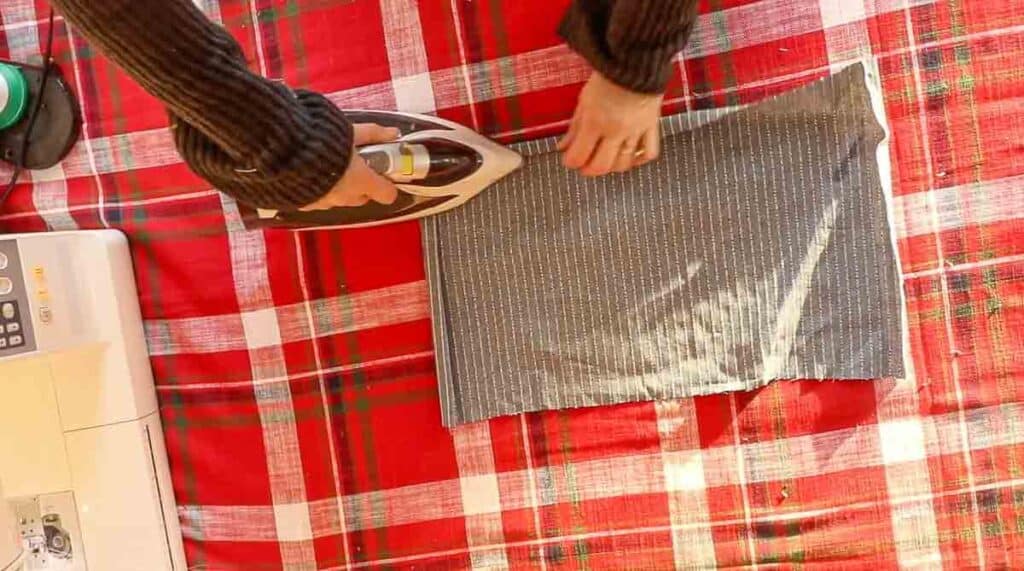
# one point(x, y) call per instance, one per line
point(264, 144)
point(631, 42)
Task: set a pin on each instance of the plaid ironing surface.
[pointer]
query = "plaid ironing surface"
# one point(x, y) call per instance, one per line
point(295, 371)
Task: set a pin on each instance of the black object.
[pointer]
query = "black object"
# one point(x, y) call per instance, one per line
point(404, 205)
point(58, 540)
point(62, 106)
point(57, 123)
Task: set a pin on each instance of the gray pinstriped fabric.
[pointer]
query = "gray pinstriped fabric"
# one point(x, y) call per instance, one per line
point(758, 248)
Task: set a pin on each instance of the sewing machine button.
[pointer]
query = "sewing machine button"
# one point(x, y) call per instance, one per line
point(6, 286)
point(7, 310)
point(16, 340)
point(14, 327)
point(3, 342)
point(3, 261)
point(2, 329)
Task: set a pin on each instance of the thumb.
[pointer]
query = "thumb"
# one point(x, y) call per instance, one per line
point(371, 133)
point(378, 188)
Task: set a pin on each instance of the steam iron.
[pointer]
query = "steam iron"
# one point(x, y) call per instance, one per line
point(437, 165)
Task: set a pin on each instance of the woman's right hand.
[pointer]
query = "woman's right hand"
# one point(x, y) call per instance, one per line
point(360, 184)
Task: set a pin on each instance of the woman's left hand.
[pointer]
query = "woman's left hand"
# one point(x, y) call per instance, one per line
point(613, 130)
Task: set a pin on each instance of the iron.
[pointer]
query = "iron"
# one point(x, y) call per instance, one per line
point(436, 164)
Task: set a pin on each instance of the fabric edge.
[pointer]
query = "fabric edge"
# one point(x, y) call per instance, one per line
point(438, 316)
point(873, 84)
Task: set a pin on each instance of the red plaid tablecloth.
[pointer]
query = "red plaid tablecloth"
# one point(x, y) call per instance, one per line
point(295, 371)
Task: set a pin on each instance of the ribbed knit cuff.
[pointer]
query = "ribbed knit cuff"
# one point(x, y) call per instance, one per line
point(646, 71)
point(324, 154)
point(324, 150)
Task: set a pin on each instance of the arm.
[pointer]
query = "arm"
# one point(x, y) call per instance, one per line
point(254, 139)
point(630, 42)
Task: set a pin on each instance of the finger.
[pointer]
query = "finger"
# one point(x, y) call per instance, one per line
point(318, 205)
point(566, 141)
point(361, 180)
point(582, 148)
point(326, 202)
point(379, 189)
point(627, 156)
point(355, 201)
point(651, 146)
point(604, 158)
point(371, 133)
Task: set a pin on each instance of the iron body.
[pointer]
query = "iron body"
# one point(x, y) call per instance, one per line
point(437, 165)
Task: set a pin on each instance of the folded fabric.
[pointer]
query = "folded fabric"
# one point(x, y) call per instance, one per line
point(759, 247)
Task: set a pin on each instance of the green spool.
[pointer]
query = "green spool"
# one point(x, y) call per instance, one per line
point(13, 95)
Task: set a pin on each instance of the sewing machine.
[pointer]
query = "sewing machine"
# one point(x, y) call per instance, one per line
point(84, 480)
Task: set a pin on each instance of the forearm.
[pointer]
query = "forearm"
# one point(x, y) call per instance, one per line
point(250, 137)
point(631, 42)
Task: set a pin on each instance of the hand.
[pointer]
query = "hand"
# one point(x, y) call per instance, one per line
point(613, 130)
point(360, 184)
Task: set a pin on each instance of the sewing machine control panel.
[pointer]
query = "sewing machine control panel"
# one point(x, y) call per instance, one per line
point(16, 328)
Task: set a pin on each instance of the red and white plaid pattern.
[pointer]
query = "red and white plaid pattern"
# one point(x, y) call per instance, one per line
point(295, 371)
